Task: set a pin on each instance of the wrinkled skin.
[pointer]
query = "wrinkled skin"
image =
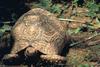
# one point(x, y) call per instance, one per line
point(39, 31)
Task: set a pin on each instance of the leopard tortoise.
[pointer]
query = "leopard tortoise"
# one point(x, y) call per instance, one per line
point(38, 30)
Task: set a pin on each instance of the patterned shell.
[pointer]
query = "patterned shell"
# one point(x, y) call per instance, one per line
point(40, 29)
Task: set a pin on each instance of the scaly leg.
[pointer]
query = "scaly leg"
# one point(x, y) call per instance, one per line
point(53, 58)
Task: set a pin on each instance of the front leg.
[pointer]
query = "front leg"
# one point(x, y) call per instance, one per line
point(53, 58)
point(12, 59)
point(10, 56)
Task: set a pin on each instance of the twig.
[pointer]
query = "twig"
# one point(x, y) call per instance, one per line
point(69, 20)
point(77, 43)
point(6, 22)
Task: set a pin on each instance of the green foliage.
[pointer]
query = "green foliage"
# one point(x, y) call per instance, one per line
point(85, 65)
point(93, 8)
point(74, 2)
point(4, 28)
point(55, 8)
point(45, 3)
point(74, 31)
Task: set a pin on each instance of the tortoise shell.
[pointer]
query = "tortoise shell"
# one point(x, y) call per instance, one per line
point(41, 30)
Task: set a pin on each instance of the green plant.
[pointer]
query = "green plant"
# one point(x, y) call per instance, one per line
point(93, 8)
point(4, 28)
point(74, 31)
point(55, 8)
point(45, 3)
point(83, 65)
point(74, 2)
